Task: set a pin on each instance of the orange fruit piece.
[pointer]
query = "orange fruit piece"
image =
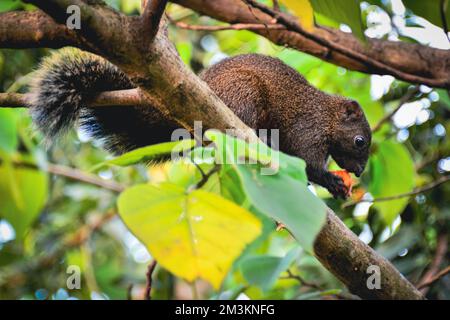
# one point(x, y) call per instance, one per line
point(346, 177)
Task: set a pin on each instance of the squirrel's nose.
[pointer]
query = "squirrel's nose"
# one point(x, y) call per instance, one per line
point(359, 170)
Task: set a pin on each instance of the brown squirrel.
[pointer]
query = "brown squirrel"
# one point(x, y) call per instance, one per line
point(262, 91)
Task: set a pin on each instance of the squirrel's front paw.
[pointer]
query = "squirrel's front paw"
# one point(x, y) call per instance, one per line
point(337, 187)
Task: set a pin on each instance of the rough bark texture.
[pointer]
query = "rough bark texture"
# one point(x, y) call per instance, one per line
point(22, 30)
point(348, 258)
point(163, 79)
point(413, 61)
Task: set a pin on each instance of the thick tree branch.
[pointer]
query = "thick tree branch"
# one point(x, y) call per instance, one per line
point(151, 17)
point(348, 258)
point(161, 75)
point(131, 97)
point(19, 30)
point(410, 62)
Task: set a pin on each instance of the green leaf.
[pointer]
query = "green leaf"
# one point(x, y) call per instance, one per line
point(263, 271)
point(343, 11)
point(8, 131)
point(283, 196)
point(151, 153)
point(185, 51)
point(392, 173)
point(23, 194)
point(8, 5)
point(430, 10)
point(193, 235)
point(286, 200)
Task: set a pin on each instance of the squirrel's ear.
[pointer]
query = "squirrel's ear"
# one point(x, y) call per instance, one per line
point(352, 110)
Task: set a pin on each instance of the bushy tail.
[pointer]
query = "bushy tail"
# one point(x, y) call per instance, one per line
point(68, 80)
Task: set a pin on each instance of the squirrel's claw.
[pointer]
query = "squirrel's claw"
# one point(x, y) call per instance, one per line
point(337, 187)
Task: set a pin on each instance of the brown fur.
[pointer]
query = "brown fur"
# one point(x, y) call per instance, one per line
point(263, 91)
point(266, 93)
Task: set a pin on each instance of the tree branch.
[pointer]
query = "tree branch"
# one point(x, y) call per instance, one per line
point(348, 258)
point(161, 75)
point(151, 17)
point(433, 270)
point(442, 10)
point(437, 277)
point(148, 287)
point(237, 26)
point(416, 191)
point(410, 62)
point(74, 174)
point(19, 30)
point(130, 98)
point(406, 98)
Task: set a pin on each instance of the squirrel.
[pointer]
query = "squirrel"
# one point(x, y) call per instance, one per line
point(262, 91)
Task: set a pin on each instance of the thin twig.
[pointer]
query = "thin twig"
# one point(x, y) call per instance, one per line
point(406, 98)
point(441, 251)
point(206, 176)
point(416, 191)
point(437, 277)
point(315, 286)
point(130, 292)
point(74, 174)
point(443, 10)
point(83, 234)
point(237, 26)
point(148, 287)
point(276, 5)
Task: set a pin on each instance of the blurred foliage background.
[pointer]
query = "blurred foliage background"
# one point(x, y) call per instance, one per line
point(49, 222)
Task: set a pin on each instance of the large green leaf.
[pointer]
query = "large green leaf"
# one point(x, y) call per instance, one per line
point(392, 173)
point(342, 11)
point(283, 196)
point(8, 130)
point(193, 235)
point(263, 271)
point(151, 153)
point(7, 5)
point(430, 10)
point(23, 193)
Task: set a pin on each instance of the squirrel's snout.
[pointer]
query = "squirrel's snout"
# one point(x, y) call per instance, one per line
point(359, 170)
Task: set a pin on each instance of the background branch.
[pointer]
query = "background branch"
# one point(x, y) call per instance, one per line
point(74, 174)
point(405, 61)
point(406, 98)
point(416, 191)
point(148, 287)
point(430, 276)
point(437, 277)
point(236, 26)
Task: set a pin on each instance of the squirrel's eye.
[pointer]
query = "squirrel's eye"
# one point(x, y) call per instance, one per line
point(360, 141)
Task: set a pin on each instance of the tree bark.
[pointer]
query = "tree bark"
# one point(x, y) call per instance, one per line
point(410, 62)
point(348, 258)
point(162, 77)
